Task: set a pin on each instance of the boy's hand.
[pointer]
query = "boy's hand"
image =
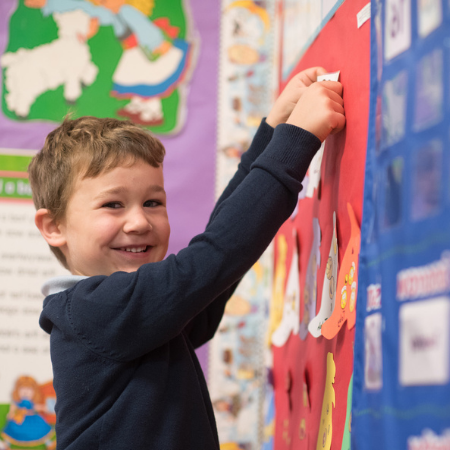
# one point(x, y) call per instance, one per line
point(291, 94)
point(320, 109)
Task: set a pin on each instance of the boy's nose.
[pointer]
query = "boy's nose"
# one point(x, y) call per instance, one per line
point(137, 222)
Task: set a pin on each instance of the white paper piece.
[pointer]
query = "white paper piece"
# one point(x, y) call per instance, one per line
point(424, 342)
point(373, 297)
point(363, 16)
point(373, 360)
point(332, 76)
point(397, 27)
point(329, 287)
point(290, 323)
point(429, 16)
point(314, 171)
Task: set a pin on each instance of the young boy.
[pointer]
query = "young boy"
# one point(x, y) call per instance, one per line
point(123, 332)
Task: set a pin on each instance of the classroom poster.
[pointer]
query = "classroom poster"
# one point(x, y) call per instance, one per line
point(239, 355)
point(26, 388)
point(401, 377)
point(131, 61)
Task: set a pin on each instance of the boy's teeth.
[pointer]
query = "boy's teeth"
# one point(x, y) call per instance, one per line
point(134, 250)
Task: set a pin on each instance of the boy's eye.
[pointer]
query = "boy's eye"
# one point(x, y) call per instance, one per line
point(152, 203)
point(113, 205)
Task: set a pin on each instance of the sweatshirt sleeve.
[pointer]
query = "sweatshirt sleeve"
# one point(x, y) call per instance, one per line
point(259, 143)
point(129, 314)
point(203, 327)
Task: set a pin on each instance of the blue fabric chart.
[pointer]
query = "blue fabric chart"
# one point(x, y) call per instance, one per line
point(401, 397)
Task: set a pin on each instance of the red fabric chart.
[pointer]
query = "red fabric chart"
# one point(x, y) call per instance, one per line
point(341, 45)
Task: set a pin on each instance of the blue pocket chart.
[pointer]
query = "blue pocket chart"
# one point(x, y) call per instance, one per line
point(401, 397)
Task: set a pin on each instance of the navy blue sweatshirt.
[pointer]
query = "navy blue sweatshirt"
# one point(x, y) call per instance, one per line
point(122, 346)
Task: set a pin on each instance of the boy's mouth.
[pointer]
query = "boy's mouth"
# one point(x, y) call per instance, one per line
point(142, 249)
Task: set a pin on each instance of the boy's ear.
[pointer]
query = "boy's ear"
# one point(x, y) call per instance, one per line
point(50, 229)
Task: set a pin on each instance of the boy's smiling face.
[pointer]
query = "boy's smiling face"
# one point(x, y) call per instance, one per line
point(116, 221)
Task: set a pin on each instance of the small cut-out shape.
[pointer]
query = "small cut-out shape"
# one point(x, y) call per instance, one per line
point(332, 76)
point(305, 395)
point(314, 171)
point(329, 401)
point(310, 291)
point(348, 418)
point(276, 306)
point(286, 432)
point(302, 430)
point(347, 286)
point(328, 289)
point(291, 309)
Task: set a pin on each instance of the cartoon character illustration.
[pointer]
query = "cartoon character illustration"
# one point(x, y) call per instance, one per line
point(344, 308)
point(65, 61)
point(25, 424)
point(328, 288)
point(153, 62)
point(329, 401)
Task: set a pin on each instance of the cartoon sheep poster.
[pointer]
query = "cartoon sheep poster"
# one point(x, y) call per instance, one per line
point(107, 58)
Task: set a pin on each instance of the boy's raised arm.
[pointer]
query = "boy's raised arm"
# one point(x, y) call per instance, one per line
point(280, 112)
point(130, 314)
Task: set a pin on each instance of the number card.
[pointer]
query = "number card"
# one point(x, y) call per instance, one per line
point(397, 27)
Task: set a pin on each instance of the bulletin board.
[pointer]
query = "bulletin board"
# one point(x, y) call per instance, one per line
point(313, 304)
point(401, 376)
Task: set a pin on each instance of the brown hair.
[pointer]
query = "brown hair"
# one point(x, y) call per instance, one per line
point(26, 381)
point(86, 147)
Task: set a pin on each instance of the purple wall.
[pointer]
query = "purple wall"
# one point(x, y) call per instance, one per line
point(191, 155)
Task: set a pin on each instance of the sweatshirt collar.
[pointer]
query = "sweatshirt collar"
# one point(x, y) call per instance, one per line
point(59, 284)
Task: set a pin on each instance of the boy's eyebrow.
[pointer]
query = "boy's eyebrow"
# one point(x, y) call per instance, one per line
point(119, 190)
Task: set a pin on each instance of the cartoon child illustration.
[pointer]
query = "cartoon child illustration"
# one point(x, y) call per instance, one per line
point(25, 425)
point(154, 61)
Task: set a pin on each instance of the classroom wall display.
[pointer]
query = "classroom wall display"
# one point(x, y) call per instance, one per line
point(401, 375)
point(317, 249)
point(239, 353)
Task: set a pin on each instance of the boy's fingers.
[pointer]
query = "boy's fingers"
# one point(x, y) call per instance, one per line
point(320, 71)
point(309, 76)
point(335, 97)
point(339, 123)
point(333, 86)
point(337, 107)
